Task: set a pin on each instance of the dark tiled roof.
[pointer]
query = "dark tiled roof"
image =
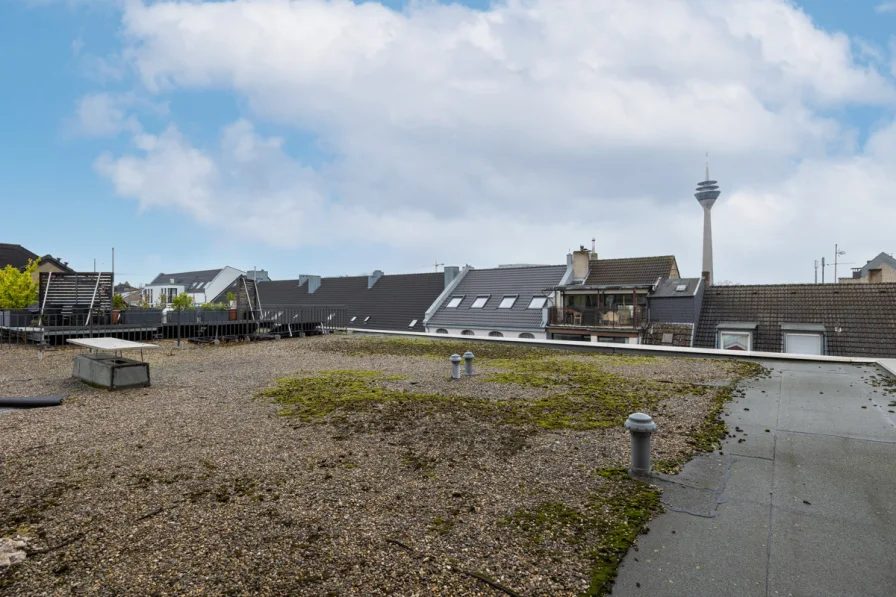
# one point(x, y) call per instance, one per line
point(392, 303)
point(866, 314)
point(630, 270)
point(667, 288)
point(524, 282)
point(58, 263)
point(15, 255)
point(189, 280)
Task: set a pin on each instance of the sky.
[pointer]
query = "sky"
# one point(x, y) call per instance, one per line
point(335, 137)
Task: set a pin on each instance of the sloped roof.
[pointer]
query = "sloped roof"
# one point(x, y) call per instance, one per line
point(523, 282)
point(881, 259)
point(15, 255)
point(865, 314)
point(189, 280)
point(667, 288)
point(629, 270)
point(392, 303)
point(58, 263)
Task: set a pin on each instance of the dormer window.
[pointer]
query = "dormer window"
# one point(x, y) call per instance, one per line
point(454, 302)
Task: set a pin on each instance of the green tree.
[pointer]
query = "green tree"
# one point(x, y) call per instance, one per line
point(17, 288)
point(182, 301)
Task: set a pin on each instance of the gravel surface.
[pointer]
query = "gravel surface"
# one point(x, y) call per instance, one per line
point(196, 486)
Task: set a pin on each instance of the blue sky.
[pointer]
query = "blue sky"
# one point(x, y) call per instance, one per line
point(487, 156)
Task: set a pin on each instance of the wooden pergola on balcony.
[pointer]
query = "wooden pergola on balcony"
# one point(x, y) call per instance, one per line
point(621, 317)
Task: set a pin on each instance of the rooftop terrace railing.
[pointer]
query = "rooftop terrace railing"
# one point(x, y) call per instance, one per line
point(621, 317)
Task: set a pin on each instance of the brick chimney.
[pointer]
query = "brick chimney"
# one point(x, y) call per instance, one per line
point(580, 264)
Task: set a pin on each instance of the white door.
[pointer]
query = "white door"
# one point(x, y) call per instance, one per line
point(802, 343)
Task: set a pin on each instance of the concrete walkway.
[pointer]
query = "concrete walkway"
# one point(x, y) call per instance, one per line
point(801, 502)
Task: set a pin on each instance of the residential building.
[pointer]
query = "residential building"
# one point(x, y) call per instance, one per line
point(507, 301)
point(850, 320)
point(396, 302)
point(19, 257)
point(674, 308)
point(200, 285)
point(880, 269)
point(606, 299)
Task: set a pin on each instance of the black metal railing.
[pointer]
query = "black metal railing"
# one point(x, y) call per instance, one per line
point(57, 324)
point(597, 317)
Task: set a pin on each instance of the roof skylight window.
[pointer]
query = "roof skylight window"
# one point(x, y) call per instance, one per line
point(479, 302)
point(507, 302)
point(537, 302)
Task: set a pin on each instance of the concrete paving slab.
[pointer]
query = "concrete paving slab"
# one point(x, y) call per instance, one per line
point(729, 558)
point(757, 442)
point(804, 510)
point(815, 556)
point(843, 479)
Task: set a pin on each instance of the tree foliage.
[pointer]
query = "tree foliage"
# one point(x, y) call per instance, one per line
point(17, 288)
point(182, 301)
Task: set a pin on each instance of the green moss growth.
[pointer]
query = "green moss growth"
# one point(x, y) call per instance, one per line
point(601, 530)
point(437, 349)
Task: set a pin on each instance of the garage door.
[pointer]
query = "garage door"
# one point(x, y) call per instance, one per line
point(802, 343)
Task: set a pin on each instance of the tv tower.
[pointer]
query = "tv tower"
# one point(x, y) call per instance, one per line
point(707, 193)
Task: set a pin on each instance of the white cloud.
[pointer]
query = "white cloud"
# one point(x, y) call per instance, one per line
point(544, 120)
point(104, 115)
point(885, 7)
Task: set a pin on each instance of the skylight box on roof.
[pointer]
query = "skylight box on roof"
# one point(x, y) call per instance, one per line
point(413, 323)
point(479, 302)
point(537, 302)
point(454, 302)
point(681, 288)
point(507, 302)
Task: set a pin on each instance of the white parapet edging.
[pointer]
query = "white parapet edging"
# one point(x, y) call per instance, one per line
point(645, 349)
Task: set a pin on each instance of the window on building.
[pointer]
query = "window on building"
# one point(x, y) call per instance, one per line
point(537, 302)
point(454, 302)
point(354, 318)
point(527, 335)
point(479, 302)
point(366, 319)
point(467, 333)
point(803, 343)
point(441, 331)
point(331, 316)
point(507, 302)
point(413, 323)
point(496, 334)
point(735, 340)
point(611, 339)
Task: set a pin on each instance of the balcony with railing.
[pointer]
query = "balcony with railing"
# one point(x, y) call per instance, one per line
point(621, 317)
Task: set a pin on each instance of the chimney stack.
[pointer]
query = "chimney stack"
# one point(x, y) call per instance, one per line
point(580, 261)
point(372, 278)
point(313, 282)
point(706, 194)
point(451, 272)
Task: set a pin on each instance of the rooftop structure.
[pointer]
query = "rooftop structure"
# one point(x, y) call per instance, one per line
point(503, 301)
point(706, 194)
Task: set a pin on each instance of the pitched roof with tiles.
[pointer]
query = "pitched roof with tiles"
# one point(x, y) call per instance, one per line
point(864, 313)
point(522, 282)
point(668, 288)
point(392, 303)
point(630, 270)
point(189, 280)
point(15, 255)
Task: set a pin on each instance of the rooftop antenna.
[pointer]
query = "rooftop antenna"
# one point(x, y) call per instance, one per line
point(436, 266)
